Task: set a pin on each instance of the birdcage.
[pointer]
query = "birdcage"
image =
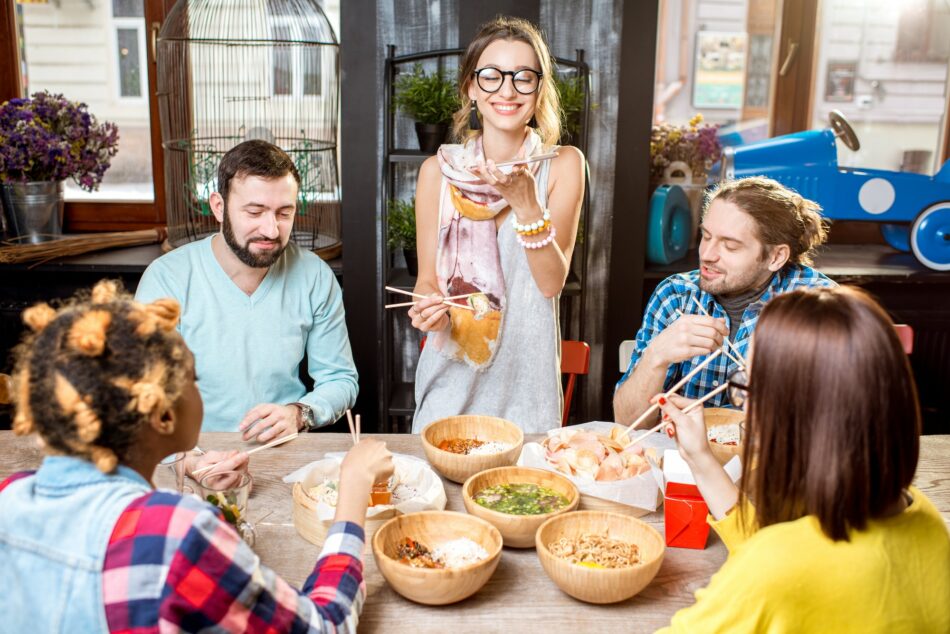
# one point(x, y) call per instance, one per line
point(234, 70)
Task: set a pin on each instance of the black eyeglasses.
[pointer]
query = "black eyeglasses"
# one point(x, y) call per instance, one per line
point(525, 81)
point(738, 388)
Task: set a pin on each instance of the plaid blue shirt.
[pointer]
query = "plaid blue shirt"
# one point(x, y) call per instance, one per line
point(676, 292)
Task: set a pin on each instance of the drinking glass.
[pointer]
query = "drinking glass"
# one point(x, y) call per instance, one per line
point(229, 490)
point(175, 466)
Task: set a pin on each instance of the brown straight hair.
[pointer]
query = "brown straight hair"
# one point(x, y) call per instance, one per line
point(781, 216)
point(254, 158)
point(833, 422)
point(547, 111)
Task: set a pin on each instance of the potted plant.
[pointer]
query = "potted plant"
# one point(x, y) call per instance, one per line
point(572, 96)
point(431, 100)
point(44, 140)
point(402, 231)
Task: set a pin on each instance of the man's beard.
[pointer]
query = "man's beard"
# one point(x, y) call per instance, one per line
point(737, 285)
point(260, 260)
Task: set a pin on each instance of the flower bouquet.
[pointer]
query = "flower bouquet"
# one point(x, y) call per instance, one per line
point(696, 144)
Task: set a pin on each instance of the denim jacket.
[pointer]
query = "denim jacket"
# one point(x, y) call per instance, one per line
point(54, 529)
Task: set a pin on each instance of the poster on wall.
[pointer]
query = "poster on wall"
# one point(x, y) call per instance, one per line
point(719, 70)
point(839, 81)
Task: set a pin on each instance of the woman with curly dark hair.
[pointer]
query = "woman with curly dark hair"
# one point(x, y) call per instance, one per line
point(87, 544)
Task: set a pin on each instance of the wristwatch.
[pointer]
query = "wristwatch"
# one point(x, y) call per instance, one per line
point(305, 418)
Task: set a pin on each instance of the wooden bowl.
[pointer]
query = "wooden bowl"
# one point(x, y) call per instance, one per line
point(716, 416)
point(517, 530)
point(458, 467)
point(436, 586)
point(315, 530)
point(599, 585)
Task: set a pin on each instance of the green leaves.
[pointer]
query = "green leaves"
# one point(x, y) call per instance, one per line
point(427, 98)
point(402, 224)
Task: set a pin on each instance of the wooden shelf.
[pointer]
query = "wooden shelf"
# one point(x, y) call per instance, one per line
point(408, 156)
point(844, 263)
point(400, 278)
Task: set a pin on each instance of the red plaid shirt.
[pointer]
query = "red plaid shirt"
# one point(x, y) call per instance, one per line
point(173, 563)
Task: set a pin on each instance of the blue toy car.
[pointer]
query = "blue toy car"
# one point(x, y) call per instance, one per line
point(914, 209)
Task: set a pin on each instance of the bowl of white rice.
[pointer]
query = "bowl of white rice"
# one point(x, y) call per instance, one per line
point(460, 446)
point(437, 557)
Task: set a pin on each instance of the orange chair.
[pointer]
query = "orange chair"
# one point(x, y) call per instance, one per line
point(575, 359)
point(906, 334)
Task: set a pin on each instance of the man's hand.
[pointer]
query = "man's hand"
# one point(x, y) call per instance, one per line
point(687, 337)
point(222, 460)
point(268, 421)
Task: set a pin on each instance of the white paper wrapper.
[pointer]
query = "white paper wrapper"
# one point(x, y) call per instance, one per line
point(641, 491)
point(410, 471)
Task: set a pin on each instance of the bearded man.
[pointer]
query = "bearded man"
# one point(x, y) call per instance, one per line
point(758, 238)
point(255, 305)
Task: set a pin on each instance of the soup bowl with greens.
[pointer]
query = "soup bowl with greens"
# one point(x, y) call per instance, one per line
point(517, 500)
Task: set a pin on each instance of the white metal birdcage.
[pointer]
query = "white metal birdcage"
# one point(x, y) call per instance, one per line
point(233, 70)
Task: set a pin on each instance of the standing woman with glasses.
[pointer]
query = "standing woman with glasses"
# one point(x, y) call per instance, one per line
point(500, 236)
point(825, 532)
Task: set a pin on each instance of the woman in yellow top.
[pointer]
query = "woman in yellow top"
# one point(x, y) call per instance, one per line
point(825, 532)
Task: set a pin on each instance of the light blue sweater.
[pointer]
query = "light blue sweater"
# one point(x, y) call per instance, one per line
point(248, 349)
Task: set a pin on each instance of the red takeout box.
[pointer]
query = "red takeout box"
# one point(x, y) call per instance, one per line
point(685, 514)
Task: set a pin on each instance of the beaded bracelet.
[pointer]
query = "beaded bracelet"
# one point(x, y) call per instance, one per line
point(540, 244)
point(532, 228)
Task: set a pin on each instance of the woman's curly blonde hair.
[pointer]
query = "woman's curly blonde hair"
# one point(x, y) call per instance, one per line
point(90, 374)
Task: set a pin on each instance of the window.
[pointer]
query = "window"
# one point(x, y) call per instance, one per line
point(129, 48)
point(296, 68)
point(95, 53)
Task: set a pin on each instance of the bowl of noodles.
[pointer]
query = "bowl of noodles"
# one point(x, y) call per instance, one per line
point(599, 556)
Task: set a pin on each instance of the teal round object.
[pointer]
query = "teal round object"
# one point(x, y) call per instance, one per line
point(670, 225)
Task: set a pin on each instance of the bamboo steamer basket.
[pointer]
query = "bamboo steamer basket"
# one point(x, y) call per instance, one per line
point(517, 530)
point(599, 585)
point(459, 467)
point(436, 586)
point(315, 530)
point(716, 416)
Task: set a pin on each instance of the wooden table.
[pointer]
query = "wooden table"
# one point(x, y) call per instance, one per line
point(519, 594)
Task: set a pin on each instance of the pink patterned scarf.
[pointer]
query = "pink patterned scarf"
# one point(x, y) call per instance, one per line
point(468, 260)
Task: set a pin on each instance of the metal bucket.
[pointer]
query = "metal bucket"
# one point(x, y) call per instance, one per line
point(34, 211)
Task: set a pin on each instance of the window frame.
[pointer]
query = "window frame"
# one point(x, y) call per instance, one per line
point(297, 66)
point(138, 25)
point(82, 216)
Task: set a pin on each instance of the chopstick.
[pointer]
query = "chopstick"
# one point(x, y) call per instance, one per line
point(530, 159)
point(393, 289)
point(725, 339)
point(354, 434)
point(445, 300)
point(742, 362)
point(273, 443)
point(688, 409)
point(672, 390)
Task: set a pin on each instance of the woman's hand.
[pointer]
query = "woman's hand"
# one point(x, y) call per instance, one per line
point(429, 314)
point(519, 189)
point(689, 430)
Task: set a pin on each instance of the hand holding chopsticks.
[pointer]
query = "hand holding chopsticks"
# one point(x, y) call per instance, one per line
point(686, 410)
point(445, 300)
point(273, 443)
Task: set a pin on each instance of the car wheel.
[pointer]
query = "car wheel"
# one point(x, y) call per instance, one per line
point(670, 225)
point(930, 237)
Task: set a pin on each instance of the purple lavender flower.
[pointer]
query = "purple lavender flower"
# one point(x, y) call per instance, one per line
point(48, 137)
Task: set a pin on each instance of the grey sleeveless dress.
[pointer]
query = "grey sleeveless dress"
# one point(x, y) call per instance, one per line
point(523, 382)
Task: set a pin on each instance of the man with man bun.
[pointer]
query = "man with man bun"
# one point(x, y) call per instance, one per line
point(758, 239)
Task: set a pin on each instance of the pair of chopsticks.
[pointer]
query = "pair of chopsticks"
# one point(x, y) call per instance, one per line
point(741, 362)
point(273, 443)
point(354, 427)
point(445, 300)
point(521, 161)
point(672, 391)
point(687, 410)
point(724, 351)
